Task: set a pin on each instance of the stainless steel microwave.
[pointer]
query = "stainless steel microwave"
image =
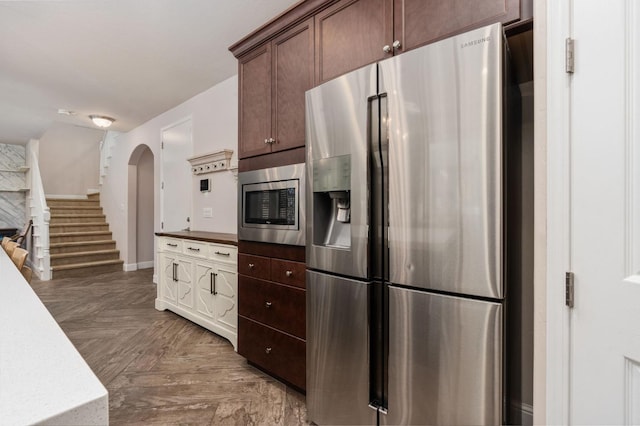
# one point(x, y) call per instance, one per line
point(271, 205)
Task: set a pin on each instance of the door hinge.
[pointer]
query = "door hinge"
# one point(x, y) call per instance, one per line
point(162, 145)
point(162, 185)
point(569, 55)
point(569, 289)
point(161, 225)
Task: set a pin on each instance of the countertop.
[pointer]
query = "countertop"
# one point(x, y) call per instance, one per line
point(209, 237)
point(43, 378)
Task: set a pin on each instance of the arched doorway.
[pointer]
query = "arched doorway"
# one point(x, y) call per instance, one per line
point(140, 215)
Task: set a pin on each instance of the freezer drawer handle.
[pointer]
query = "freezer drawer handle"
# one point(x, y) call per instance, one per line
point(289, 273)
point(267, 350)
point(267, 305)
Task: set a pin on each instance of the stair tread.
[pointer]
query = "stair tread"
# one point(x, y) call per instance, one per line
point(80, 243)
point(87, 264)
point(76, 224)
point(77, 234)
point(77, 215)
point(83, 253)
point(76, 207)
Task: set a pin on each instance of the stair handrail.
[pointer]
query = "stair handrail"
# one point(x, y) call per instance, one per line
point(41, 216)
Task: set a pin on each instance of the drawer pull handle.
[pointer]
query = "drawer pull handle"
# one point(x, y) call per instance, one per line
point(267, 350)
point(194, 249)
point(267, 305)
point(223, 254)
point(172, 245)
point(288, 273)
point(251, 266)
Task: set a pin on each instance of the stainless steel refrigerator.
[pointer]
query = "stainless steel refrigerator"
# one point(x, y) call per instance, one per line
point(405, 252)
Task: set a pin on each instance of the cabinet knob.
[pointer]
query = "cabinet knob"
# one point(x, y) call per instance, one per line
point(267, 350)
point(251, 266)
point(386, 48)
point(288, 273)
point(266, 141)
point(272, 140)
point(397, 45)
point(267, 305)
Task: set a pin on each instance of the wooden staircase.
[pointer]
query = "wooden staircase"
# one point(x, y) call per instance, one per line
point(80, 243)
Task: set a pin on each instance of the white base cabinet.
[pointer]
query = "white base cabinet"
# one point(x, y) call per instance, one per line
point(199, 281)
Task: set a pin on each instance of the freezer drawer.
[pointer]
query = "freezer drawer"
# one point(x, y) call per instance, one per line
point(445, 360)
point(337, 351)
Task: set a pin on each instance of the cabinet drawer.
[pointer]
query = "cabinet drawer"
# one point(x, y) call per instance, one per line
point(255, 266)
point(273, 304)
point(288, 272)
point(195, 248)
point(170, 244)
point(276, 352)
point(222, 253)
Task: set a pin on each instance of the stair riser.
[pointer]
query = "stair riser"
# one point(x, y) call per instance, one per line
point(82, 203)
point(89, 247)
point(72, 238)
point(59, 229)
point(90, 219)
point(84, 258)
point(75, 210)
point(87, 272)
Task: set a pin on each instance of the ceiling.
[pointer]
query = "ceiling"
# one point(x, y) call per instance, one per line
point(127, 59)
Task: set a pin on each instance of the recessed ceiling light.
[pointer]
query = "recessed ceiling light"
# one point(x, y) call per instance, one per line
point(66, 112)
point(101, 120)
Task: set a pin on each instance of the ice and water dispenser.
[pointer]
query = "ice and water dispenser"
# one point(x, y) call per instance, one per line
point(332, 202)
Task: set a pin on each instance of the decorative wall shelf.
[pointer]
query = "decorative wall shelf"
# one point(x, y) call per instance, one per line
point(212, 162)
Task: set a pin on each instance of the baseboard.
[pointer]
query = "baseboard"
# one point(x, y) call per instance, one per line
point(130, 267)
point(92, 191)
point(521, 413)
point(145, 265)
point(155, 279)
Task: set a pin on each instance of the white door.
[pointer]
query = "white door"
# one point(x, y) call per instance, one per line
point(176, 186)
point(605, 213)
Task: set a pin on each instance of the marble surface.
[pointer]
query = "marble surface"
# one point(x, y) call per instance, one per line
point(12, 204)
point(43, 378)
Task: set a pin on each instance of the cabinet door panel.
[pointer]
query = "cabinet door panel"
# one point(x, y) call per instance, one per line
point(351, 34)
point(275, 305)
point(225, 290)
point(293, 75)
point(168, 285)
point(185, 283)
point(276, 352)
point(418, 22)
point(204, 289)
point(254, 76)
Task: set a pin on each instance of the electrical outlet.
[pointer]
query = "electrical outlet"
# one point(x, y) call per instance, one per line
point(207, 212)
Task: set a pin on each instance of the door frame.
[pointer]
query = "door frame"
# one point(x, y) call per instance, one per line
point(553, 24)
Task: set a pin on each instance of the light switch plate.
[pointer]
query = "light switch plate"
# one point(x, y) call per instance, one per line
point(207, 212)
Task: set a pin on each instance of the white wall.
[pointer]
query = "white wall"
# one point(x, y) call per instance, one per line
point(70, 159)
point(214, 115)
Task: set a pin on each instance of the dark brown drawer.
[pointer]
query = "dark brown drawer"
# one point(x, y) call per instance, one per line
point(255, 266)
point(278, 353)
point(288, 272)
point(273, 304)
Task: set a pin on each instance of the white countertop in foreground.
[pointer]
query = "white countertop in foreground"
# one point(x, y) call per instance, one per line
point(43, 378)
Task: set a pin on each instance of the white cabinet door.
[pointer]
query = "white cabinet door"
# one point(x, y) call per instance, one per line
point(168, 286)
point(225, 296)
point(204, 289)
point(184, 274)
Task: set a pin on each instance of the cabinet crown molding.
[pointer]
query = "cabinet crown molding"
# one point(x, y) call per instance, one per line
point(211, 162)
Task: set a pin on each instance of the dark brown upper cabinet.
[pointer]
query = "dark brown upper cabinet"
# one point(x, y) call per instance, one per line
point(272, 82)
point(353, 33)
